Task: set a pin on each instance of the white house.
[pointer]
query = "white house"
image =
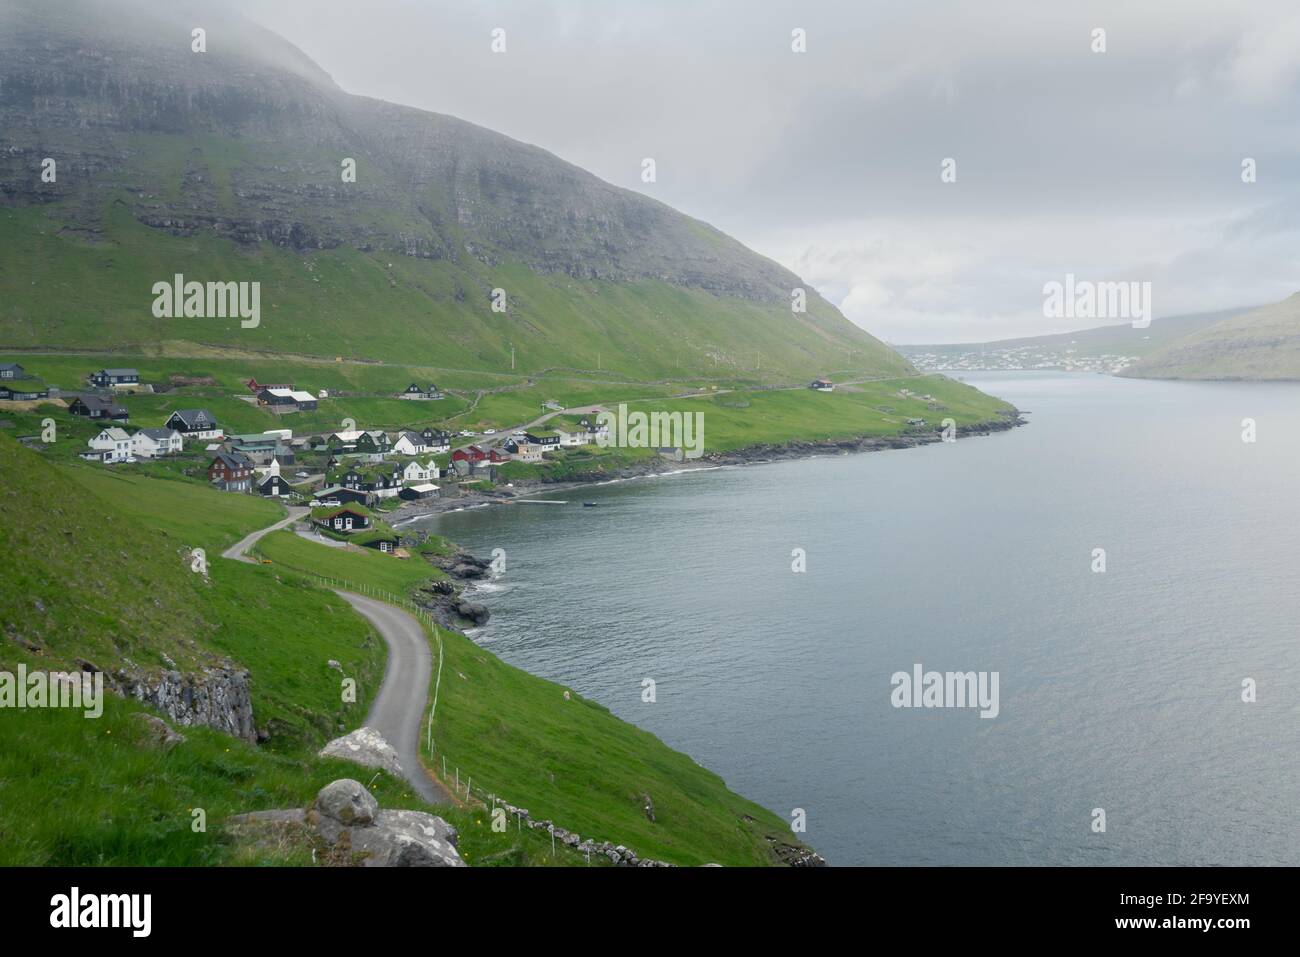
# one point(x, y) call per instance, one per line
point(578, 436)
point(417, 473)
point(153, 443)
point(113, 444)
point(410, 443)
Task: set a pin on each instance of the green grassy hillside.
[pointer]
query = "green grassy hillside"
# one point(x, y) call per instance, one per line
point(227, 166)
point(567, 760)
point(95, 566)
point(59, 291)
point(1260, 344)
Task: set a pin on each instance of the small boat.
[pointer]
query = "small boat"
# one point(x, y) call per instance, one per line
point(589, 504)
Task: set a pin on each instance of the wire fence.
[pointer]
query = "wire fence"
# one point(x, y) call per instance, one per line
point(451, 776)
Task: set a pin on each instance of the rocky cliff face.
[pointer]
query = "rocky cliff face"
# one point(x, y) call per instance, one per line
point(215, 698)
point(112, 89)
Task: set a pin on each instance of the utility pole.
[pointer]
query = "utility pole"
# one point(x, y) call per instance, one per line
point(512, 358)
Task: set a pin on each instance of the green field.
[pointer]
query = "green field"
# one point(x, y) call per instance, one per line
point(97, 568)
point(60, 292)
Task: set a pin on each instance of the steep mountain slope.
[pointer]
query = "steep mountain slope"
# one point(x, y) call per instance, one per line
point(1261, 344)
point(226, 165)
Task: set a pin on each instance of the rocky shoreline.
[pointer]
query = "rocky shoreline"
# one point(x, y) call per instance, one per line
point(750, 455)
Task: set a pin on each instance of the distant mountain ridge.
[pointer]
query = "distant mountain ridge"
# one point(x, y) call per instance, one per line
point(1262, 343)
point(164, 154)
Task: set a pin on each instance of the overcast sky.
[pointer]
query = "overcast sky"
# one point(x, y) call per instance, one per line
point(1119, 165)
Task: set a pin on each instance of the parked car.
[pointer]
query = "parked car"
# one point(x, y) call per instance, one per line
point(315, 503)
point(302, 475)
point(489, 431)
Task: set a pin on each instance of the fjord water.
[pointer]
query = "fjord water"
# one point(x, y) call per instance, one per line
point(1119, 690)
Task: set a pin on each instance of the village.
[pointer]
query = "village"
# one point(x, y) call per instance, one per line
point(349, 477)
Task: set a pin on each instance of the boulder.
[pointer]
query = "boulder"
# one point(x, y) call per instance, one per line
point(346, 818)
point(472, 610)
point(347, 802)
point(407, 839)
point(364, 746)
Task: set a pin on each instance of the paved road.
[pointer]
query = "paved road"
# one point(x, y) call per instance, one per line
point(238, 549)
point(399, 707)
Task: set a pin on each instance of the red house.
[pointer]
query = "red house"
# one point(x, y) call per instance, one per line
point(475, 454)
point(255, 387)
point(231, 472)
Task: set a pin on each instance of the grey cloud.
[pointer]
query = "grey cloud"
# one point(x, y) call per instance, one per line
point(829, 160)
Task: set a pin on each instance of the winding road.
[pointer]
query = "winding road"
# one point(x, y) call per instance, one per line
point(397, 710)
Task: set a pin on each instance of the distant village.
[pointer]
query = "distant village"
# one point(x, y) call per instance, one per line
point(980, 358)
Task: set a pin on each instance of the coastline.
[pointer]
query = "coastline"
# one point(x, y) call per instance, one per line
point(410, 512)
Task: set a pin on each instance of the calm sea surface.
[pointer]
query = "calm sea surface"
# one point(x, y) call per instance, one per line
point(1119, 691)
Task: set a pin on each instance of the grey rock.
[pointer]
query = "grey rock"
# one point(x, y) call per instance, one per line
point(347, 818)
point(347, 802)
point(216, 698)
point(364, 746)
point(474, 611)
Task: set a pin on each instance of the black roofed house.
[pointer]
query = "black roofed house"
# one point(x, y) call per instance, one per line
point(272, 484)
point(343, 518)
point(414, 391)
point(436, 440)
point(194, 424)
point(373, 442)
point(115, 378)
point(231, 472)
point(281, 401)
point(95, 407)
point(341, 494)
point(822, 385)
point(12, 370)
point(381, 482)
